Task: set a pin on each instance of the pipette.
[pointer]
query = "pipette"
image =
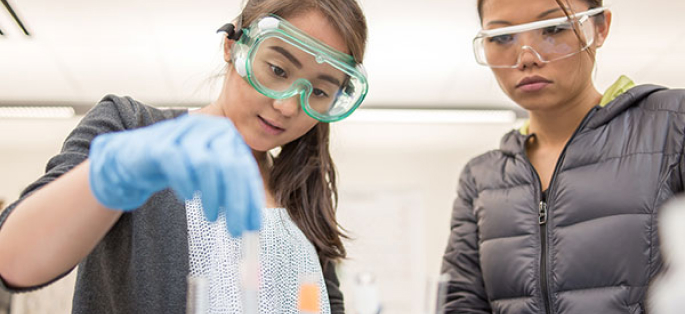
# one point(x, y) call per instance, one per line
point(197, 296)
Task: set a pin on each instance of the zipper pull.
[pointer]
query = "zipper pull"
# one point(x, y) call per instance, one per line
point(542, 218)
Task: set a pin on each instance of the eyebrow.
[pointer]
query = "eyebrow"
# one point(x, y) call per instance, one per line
point(548, 12)
point(329, 79)
point(543, 14)
point(297, 63)
point(287, 55)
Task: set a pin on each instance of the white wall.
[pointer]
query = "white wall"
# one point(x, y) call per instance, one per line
point(420, 161)
point(25, 147)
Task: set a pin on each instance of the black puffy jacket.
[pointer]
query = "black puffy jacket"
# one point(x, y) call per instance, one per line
point(593, 246)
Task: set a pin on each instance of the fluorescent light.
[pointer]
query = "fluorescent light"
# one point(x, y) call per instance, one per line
point(418, 116)
point(36, 112)
point(430, 116)
point(191, 108)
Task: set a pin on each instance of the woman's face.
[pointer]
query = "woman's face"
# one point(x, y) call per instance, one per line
point(266, 123)
point(535, 85)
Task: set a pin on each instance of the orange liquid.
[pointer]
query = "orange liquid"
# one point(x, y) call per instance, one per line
point(308, 298)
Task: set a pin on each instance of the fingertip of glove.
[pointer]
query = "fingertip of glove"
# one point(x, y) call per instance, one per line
point(234, 229)
point(211, 214)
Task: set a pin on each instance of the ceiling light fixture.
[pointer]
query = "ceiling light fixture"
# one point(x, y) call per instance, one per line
point(432, 116)
point(36, 112)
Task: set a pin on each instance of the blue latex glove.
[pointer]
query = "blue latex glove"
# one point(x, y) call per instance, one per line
point(188, 154)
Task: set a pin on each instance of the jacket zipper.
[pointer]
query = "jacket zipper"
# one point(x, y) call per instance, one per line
point(542, 220)
point(543, 213)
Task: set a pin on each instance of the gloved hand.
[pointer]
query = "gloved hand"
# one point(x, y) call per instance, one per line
point(188, 154)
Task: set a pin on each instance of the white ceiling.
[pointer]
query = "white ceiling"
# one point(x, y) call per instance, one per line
point(166, 52)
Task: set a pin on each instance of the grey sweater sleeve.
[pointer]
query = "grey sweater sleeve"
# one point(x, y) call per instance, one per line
point(111, 114)
point(466, 289)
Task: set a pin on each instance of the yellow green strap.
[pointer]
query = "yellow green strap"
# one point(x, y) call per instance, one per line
point(621, 86)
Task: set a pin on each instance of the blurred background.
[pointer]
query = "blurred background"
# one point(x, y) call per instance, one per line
point(429, 110)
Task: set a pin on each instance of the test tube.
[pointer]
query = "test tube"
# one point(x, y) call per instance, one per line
point(436, 292)
point(198, 295)
point(250, 272)
point(309, 295)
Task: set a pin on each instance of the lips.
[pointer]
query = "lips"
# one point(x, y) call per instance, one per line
point(533, 83)
point(533, 80)
point(270, 126)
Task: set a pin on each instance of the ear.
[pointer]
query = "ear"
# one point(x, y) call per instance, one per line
point(603, 27)
point(228, 45)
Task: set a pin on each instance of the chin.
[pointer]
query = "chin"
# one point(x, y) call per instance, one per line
point(533, 101)
point(259, 145)
point(533, 104)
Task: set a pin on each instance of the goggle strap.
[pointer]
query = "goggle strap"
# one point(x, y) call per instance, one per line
point(581, 16)
point(230, 31)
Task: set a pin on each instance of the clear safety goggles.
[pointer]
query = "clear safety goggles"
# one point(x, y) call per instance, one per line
point(280, 61)
point(549, 40)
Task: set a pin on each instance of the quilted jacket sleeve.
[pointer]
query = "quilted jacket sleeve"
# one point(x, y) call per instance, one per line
point(465, 291)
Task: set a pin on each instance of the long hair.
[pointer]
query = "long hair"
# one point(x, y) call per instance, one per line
point(303, 176)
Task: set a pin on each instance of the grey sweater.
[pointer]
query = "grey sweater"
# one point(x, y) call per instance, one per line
point(141, 264)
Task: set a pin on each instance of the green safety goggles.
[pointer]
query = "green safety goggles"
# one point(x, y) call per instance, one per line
point(281, 61)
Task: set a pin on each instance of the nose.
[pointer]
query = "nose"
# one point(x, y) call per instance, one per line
point(289, 106)
point(528, 58)
point(527, 55)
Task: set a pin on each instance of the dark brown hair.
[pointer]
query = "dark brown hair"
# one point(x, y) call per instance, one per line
point(344, 15)
point(565, 7)
point(303, 177)
point(591, 3)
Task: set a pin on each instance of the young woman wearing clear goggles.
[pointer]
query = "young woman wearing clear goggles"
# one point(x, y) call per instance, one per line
point(562, 217)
